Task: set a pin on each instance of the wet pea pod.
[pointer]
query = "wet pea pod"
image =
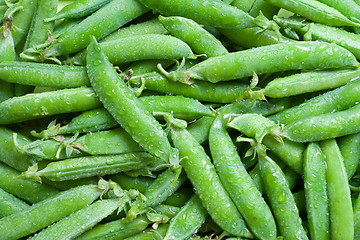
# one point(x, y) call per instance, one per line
point(37, 105)
point(238, 182)
point(10, 204)
point(317, 203)
point(142, 47)
point(124, 106)
point(48, 211)
point(199, 39)
point(88, 166)
point(215, 14)
point(78, 9)
point(99, 24)
point(340, 206)
point(334, 100)
point(151, 233)
point(268, 59)
point(324, 126)
point(311, 31)
point(315, 11)
point(357, 218)
point(348, 8)
point(348, 146)
point(264, 7)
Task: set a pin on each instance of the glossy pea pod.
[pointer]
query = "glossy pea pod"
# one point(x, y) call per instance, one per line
point(43, 75)
point(142, 47)
point(311, 31)
point(63, 26)
point(315, 11)
point(199, 39)
point(78, 9)
point(130, 113)
point(349, 148)
point(101, 23)
point(215, 14)
point(195, 214)
point(357, 218)
point(88, 166)
point(324, 126)
point(281, 200)
point(348, 8)
point(317, 202)
point(38, 105)
point(331, 101)
point(151, 233)
point(48, 211)
point(340, 206)
point(207, 184)
point(9, 204)
point(268, 59)
point(238, 183)
point(264, 7)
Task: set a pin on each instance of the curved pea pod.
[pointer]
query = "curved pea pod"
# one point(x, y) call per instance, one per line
point(348, 8)
point(349, 148)
point(199, 39)
point(268, 59)
point(317, 203)
point(43, 75)
point(141, 47)
point(151, 233)
point(340, 206)
point(308, 82)
point(48, 211)
point(38, 105)
point(88, 166)
point(264, 7)
point(335, 100)
point(9, 204)
point(317, 31)
point(99, 24)
point(324, 126)
point(195, 214)
point(281, 200)
point(78, 9)
point(214, 13)
point(357, 218)
point(238, 182)
point(207, 184)
point(315, 11)
point(124, 106)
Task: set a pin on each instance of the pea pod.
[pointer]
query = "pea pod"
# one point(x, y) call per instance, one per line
point(268, 59)
point(357, 218)
point(348, 146)
point(10, 204)
point(349, 8)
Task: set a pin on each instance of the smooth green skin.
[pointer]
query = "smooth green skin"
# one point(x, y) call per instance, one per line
point(123, 105)
point(244, 5)
point(38, 105)
point(10, 154)
point(48, 211)
point(88, 166)
point(317, 203)
point(331, 101)
point(195, 215)
point(348, 8)
point(255, 126)
point(104, 21)
point(238, 182)
point(64, 26)
point(152, 26)
point(78, 9)
point(199, 39)
point(43, 75)
point(213, 13)
point(268, 59)
point(9, 204)
point(202, 91)
point(78, 222)
point(324, 126)
point(308, 82)
point(206, 182)
point(157, 192)
point(253, 37)
point(147, 66)
point(317, 31)
point(141, 47)
point(315, 11)
point(151, 234)
point(281, 200)
point(357, 218)
point(340, 206)
point(264, 7)
point(349, 148)
point(118, 229)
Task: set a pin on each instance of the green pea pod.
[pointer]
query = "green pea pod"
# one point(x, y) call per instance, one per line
point(357, 218)
point(151, 233)
point(349, 8)
point(123, 105)
point(340, 206)
point(348, 146)
point(268, 59)
point(317, 203)
point(9, 204)
point(281, 200)
point(265, 8)
point(63, 26)
point(47, 211)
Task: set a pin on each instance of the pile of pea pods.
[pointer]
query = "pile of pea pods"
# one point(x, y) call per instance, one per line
point(180, 119)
